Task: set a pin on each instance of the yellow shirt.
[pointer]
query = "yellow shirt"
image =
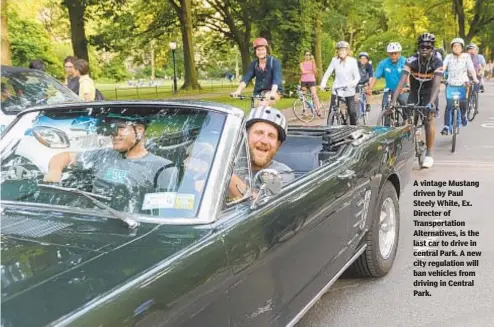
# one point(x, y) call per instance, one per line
point(87, 90)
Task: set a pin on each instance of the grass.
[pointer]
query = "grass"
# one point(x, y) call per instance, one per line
point(215, 92)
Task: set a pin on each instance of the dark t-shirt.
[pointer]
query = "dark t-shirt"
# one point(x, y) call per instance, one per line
point(365, 71)
point(422, 73)
point(265, 78)
point(73, 84)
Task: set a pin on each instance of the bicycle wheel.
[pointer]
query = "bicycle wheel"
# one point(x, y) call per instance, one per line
point(302, 111)
point(384, 118)
point(420, 143)
point(455, 128)
point(334, 118)
point(472, 107)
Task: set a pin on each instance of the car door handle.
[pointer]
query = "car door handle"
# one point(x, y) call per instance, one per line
point(347, 174)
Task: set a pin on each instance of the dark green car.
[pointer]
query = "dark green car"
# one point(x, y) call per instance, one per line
point(166, 245)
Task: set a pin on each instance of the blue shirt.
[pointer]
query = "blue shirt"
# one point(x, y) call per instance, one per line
point(390, 71)
point(265, 78)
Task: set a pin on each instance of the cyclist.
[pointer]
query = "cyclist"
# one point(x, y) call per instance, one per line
point(457, 66)
point(366, 73)
point(425, 71)
point(267, 71)
point(479, 64)
point(346, 75)
point(390, 68)
point(308, 70)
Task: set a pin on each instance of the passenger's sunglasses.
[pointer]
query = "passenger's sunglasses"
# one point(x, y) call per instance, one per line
point(307, 54)
point(111, 129)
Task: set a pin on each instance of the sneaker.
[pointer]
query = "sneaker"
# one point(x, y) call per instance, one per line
point(464, 122)
point(368, 107)
point(428, 162)
point(445, 130)
point(481, 88)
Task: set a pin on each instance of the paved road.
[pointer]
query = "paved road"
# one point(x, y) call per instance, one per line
point(389, 301)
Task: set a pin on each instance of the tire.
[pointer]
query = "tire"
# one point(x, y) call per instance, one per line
point(298, 109)
point(384, 118)
point(380, 254)
point(334, 119)
point(455, 129)
point(420, 144)
point(472, 107)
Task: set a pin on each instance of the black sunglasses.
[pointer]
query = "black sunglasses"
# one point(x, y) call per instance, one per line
point(425, 47)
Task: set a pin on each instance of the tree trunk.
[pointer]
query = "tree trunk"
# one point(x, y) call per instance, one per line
point(184, 13)
point(77, 30)
point(245, 55)
point(318, 45)
point(6, 52)
point(460, 14)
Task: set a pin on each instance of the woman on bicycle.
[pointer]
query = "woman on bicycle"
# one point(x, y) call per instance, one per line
point(308, 71)
point(346, 75)
point(457, 65)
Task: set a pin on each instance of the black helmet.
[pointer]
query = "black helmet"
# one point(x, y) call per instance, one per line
point(426, 37)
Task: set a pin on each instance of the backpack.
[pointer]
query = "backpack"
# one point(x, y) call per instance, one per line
point(99, 96)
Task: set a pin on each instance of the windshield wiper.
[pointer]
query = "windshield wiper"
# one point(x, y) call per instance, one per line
point(131, 223)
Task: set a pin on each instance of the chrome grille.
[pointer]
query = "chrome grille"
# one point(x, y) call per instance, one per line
point(28, 227)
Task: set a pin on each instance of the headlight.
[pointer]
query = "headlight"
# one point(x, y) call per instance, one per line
point(51, 137)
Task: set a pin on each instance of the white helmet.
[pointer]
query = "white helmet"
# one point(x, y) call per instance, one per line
point(342, 44)
point(393, 47)
point(269, 115)
point(458, 40)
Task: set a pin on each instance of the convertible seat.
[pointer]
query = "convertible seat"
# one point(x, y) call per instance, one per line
point(300, 153)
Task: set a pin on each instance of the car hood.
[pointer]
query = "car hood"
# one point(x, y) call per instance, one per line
point(54, 262)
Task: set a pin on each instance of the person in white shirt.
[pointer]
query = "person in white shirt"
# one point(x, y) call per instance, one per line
point(347, 76)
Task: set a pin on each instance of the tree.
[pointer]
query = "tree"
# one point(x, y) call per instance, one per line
point(481, 13)
point(183, 8)
point(6, 54)
point(77, 9)
point(234, 19)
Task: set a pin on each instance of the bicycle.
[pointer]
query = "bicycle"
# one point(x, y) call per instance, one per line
point(338, 116)
point(419, 118)
point(306, 104)
point(473, 102)
point(391, 116)
point(362, 104)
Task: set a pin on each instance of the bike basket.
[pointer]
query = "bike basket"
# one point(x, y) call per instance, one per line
point(460, 91)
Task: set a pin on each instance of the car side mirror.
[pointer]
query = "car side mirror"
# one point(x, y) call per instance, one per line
point(271, 183)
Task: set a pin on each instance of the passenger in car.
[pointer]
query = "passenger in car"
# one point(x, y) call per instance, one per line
point(266, 131)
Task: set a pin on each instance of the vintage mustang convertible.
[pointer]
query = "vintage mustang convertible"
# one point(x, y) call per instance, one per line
point(179, 250)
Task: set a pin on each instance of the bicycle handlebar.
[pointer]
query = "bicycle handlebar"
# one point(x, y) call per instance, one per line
point(411, 106)
point(259, 97)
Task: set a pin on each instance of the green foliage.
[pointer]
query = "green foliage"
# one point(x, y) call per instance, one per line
point(115, 70)
point(29, 41)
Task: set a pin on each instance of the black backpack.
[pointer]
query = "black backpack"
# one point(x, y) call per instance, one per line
point(99, 96)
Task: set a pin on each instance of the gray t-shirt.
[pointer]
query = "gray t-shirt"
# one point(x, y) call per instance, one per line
point(113, 171)
point(285, 171)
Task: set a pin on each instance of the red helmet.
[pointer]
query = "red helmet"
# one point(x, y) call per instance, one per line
point(259, 42)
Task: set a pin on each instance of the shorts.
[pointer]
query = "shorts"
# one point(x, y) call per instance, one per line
point(423, 101)
point(308, 84)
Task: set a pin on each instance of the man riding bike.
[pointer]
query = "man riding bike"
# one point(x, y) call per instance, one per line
point(346, 75)
point(267, 71)
point(478, 63)
point(390, 68)
point(457, 66)
point(425, 71)
point(366, 73)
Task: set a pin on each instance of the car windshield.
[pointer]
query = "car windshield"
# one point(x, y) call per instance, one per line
point(22, 89)
point(135, 159)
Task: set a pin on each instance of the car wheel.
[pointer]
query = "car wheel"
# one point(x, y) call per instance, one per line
point(382, 238)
